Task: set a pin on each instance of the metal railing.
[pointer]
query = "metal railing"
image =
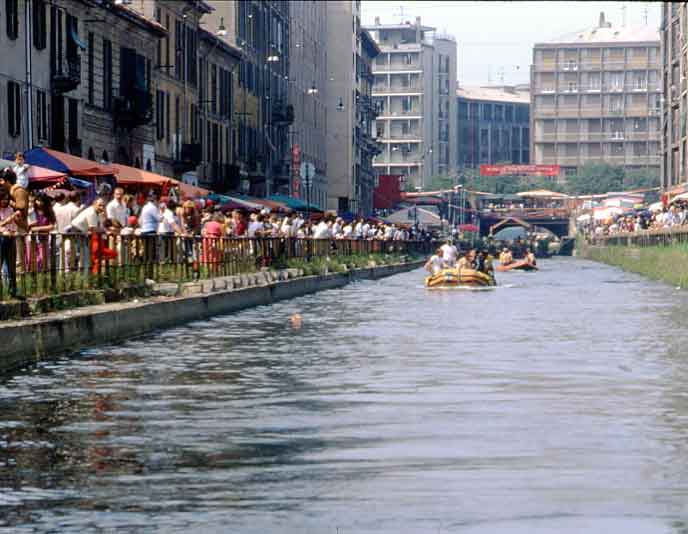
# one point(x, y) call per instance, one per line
point(643, 238)
point(48, 264)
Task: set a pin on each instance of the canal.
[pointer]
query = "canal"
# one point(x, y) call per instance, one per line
point(555, 403)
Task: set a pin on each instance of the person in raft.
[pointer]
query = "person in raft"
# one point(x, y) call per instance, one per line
point(436, 263)
point(530, 257)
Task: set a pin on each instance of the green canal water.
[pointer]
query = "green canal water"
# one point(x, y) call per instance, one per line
point(555, 403)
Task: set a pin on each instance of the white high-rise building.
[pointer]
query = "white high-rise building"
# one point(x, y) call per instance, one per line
point(414, 91)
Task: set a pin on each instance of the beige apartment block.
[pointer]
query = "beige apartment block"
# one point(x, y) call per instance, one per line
point(674, 35)
point(415, 91)
point(595, 97)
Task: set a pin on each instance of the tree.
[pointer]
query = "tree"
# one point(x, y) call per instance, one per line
point(596, 178)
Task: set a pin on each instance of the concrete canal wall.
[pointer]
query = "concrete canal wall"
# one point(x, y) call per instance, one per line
point(27, 341)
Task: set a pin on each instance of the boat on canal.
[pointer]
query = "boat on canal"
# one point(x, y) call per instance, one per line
point(519, 265)
point(459, 278)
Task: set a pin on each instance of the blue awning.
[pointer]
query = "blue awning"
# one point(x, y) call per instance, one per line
point(77, 40)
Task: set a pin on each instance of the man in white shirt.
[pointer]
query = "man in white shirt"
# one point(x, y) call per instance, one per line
point(150, 216)
point(436, 263)
point(255, 226)
point(322, 231)
point(358, 229)
point(89, 220)
point(449, 253)
point(116, 209)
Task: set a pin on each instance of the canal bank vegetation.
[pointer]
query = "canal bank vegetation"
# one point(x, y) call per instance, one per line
point(341, 264)
point(667, 264)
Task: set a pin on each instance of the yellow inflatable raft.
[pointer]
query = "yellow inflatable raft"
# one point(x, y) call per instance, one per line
point(459, 277)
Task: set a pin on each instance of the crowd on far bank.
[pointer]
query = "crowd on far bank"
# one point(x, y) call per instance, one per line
point(668, 217)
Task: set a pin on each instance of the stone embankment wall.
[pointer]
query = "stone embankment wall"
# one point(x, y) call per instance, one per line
point(53, 334)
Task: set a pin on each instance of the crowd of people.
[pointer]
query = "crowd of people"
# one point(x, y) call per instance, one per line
point(28, 219)
point(668, 217)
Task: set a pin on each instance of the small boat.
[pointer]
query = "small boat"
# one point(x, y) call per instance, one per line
point(459, 277)
point(520, 265)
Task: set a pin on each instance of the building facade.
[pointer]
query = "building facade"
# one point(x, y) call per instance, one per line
point(674, 143)
point(260, 29)
point(215, 127)
point(493, 125)
point(86, 86)
point(415, 84)
point(350, 109)
point(308, 96)
point(595, 97)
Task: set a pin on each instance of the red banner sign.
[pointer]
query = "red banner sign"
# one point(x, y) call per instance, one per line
point(532, 170)
point(295, 170)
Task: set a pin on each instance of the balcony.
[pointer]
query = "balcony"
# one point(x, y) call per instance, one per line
point(76, 147)
point(282, 114)
point(411, 113)
point(410, 68)
point(398, 90)
point(591, 64)
point(545, 112)
point(67, 74)
point(133, 110)
point(643, 160)
point(406, 138)
point(546, 66)
point(637, 111)
point(190, 157)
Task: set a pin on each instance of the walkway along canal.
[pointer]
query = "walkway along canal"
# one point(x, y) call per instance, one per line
point(555, 403)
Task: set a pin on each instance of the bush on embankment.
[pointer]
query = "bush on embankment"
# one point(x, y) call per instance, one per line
point(663, 263)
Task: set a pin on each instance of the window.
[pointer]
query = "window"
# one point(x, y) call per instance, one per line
point(13, 109)
point(73, 125)
point(41, 116)
point(179, 48)
point(213, 89)
point(12, 18)
point(40, 29)
point(107, 75)
point(91, 81)
point(160, 115)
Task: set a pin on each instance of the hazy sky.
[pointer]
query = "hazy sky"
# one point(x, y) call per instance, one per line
point(496, 37)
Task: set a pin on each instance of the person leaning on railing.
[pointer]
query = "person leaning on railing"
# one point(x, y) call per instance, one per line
point(88, 222)
point(8, 250)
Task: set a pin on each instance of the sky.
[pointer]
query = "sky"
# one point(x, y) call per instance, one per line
point(494, 39)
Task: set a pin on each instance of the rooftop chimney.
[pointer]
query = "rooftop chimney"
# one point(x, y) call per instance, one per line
point(603, 23)
point(377, 21)
point(418, 21)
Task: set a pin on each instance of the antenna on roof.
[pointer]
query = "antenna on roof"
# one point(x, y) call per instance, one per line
point(401, 14)
point(623, 14)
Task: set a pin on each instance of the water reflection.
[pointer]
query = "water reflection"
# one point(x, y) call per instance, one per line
point(556, 404)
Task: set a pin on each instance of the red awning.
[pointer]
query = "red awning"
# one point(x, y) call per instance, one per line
point(132, 176)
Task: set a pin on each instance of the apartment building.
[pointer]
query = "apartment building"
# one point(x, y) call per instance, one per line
point(260, 28)
point(308, 95)
point(674, 143)
point(350, 110)
point(85, 87)
point(415, 84)
point(596, 97)
point(493, 125)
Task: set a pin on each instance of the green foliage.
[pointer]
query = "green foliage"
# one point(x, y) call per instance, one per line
point(598, 178)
